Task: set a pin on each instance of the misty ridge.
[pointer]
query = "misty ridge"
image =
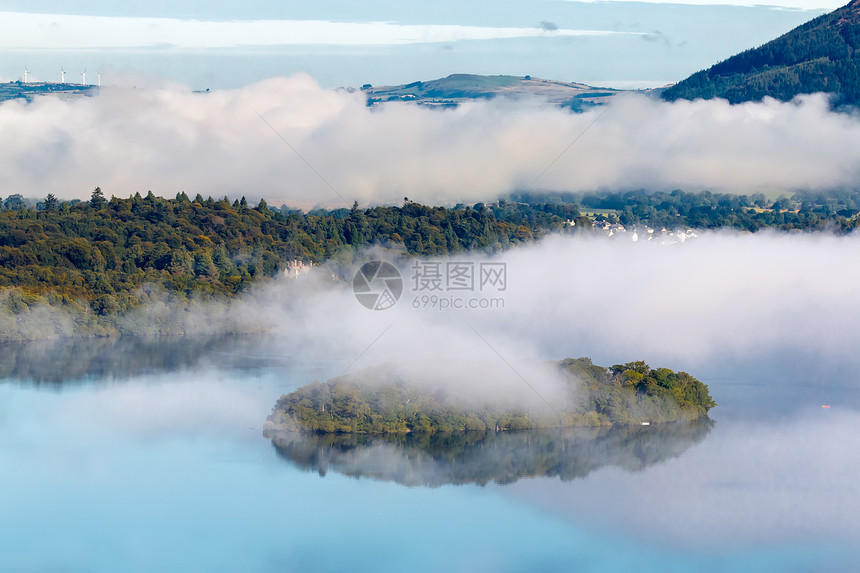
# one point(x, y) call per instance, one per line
point(232, 142)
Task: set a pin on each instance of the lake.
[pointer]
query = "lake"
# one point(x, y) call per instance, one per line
point(135, 455)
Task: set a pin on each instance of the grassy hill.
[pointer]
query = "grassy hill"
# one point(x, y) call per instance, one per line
point(820, 56)
point(457, 88)
point(28, 91)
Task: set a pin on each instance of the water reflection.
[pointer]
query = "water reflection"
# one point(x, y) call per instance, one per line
point(63, 360)
point(504, 457)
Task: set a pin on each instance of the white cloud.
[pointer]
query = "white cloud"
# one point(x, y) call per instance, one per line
point(716, 299)
point(170, 139)
point(20, 30)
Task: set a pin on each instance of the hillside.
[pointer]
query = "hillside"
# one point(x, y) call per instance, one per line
point(457, 88)
point(28, 91)
point(100, 259)
point(819, 56)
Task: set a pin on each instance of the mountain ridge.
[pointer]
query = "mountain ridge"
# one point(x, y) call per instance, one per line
point(822, 55)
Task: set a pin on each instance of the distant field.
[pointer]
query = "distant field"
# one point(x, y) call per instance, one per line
point(604, 212)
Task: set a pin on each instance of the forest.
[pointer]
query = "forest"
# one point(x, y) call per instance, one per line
point(103, 251)
point(104, 257)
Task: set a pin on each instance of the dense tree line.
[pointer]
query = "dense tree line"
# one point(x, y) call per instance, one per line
point(819, 56)
point(103, 250)
point(106, 255)
point(623, 395)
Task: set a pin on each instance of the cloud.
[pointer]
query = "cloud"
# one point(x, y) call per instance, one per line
point(22, 30)
point(721, 299)
point(718, 299)
point(658, 36)
point(721, 295)
point(169, 139)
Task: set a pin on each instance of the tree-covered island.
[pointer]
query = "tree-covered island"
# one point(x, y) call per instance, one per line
point(624, 394)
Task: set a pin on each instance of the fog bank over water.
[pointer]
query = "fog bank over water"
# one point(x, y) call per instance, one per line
point(291, 141)
point(721, 299)
point(721, 296)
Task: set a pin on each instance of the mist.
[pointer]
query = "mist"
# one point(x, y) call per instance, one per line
point(717, 296)
point(723, 298)
point(719, 299)
point(291, 141)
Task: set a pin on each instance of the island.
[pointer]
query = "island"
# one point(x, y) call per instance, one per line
point(371, 403)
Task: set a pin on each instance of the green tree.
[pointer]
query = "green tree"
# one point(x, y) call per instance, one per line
point(50, 203)
point(97, 199)
point(14, 202)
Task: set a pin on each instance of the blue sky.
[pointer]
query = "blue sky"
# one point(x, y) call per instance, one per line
point(227, 45)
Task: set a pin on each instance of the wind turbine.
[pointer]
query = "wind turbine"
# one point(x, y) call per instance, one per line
point(84, 77)
point(62, 75)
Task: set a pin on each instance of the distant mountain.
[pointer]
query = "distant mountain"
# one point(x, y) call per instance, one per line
point(822, 55)
point(457, 88)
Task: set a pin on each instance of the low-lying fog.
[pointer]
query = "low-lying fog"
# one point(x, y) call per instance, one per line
point(289, 140)
point(719, 298)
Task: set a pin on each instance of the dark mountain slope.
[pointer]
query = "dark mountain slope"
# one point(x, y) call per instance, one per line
point(822, 55)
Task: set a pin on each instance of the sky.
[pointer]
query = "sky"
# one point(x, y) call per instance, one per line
point(226, 45)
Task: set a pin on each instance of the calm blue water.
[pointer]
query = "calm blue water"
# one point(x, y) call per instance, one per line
point(121, 458)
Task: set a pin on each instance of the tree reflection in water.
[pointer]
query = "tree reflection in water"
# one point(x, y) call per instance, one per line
point(477, 457)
